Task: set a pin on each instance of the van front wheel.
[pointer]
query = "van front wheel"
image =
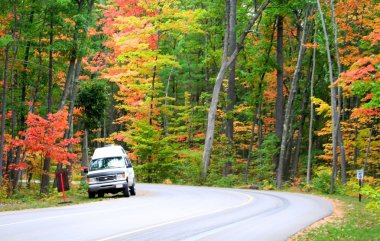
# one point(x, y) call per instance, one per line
point(126, 191)
point(91, 194)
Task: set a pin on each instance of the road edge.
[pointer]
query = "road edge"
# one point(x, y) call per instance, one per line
point(338, 213)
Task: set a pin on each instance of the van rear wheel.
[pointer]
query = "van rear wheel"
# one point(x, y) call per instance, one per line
point(126, 191)
point(132, 190)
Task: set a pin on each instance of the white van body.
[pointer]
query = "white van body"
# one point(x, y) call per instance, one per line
point(110, 171)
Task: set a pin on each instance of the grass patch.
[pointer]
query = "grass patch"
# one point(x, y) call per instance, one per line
point(357, 223)
point(31, 198)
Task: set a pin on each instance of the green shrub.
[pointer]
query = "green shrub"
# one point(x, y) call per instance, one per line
point(263, 158)
point(268, 185)
point(352, 187)
point(322, 180)
point(374, 195)
point(229, 181)
point(4, 190)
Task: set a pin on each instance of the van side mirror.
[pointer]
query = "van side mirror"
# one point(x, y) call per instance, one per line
point(85, 170)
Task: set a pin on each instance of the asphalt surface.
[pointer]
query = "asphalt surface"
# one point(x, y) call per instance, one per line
point(169, 212)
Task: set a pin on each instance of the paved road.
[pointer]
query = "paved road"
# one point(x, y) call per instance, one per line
point(168, 212)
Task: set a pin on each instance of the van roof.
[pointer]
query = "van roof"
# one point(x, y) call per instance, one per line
point(108, 151)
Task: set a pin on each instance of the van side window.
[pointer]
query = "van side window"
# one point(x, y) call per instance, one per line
point(128, 162)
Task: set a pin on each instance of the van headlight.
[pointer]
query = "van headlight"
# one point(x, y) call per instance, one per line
point(120, 177)
point(91, 180)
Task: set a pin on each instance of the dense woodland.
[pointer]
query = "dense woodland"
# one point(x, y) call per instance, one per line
point(223, 92)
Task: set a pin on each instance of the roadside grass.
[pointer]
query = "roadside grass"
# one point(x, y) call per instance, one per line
point(356, 224)
point(31, 198)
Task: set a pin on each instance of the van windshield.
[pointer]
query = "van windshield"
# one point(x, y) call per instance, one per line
point(107, 163)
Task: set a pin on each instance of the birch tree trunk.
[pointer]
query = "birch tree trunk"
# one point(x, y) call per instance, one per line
point(308, 171)
point(340, 135)
point(334, 112)
point(215, 95)
point(289, 104)
point(165, 117)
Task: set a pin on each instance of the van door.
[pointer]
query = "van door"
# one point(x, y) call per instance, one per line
point(130, 171)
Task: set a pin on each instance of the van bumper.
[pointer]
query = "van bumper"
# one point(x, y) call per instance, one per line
point(108, 186)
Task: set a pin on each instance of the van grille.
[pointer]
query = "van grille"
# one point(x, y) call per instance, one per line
point(106, 178)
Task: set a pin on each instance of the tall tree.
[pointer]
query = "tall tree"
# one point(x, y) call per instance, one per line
point(280, 99)
point(334, 115)
point(339, 134)
point(215, 94)
point(311, 118)
point(4, 109)
point(289, 104)
point(232, 71)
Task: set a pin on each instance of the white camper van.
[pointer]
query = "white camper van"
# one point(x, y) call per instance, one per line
point(110, 171)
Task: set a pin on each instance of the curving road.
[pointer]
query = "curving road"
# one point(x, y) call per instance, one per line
point(169, 212)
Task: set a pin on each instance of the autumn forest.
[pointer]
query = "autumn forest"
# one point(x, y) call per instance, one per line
point(273, 94)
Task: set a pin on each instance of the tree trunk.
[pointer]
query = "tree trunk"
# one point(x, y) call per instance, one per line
point(259, 129)
point(334, 113)
point(248, 162)
point(231, 93)
point(50, 87)
point(73, 57)
point(368, 148)
point(256, 115)
point(69, 77)
point(45, 178)
point(70, 132)
point(215, 95)
point(39, 76)
point(289, 104)
point(356, 148)
point(4, 110)
point(152, 96)
point(342, 153)
point(340, 134)
point(300, 133)
point(84, 162)
point(308, 171)
point(280, 99)
point(11, 159)
point(16, 173)
point(288, 154)
point(165, 117)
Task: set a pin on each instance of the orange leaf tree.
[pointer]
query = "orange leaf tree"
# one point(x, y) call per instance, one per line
point(44, 138)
